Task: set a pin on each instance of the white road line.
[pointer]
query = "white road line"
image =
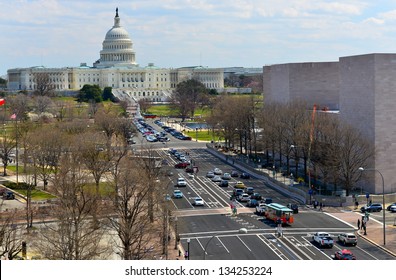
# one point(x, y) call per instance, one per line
point(271, 246)
point(244, 243)
point(222, 244)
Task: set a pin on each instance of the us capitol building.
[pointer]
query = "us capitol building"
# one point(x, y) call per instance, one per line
point(118, 69)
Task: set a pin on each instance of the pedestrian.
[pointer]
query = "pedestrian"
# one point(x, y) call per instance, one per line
point(358, 224)
point(320, 206)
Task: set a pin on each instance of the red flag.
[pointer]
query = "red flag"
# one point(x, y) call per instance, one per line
point(13, 116)
point(2, 101)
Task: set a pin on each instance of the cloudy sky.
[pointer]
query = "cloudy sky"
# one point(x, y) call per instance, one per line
point(213, 33)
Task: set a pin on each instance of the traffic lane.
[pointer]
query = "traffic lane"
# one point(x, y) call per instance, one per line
point(206, 224)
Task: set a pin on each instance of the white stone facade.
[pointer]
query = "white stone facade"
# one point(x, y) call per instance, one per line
point(118, 69)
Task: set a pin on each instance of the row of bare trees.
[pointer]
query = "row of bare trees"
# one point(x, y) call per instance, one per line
point(107, 197)
point(291, 134)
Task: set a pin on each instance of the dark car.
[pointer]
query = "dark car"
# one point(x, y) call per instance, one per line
point(375, 207)
point(182, 165)
point(8, 195)
point(252, 203)
point(344, 255)
point(268, 200)
point(256, 196)
point(234, 173)
point(293, 207)
point(390, 205)
point(249, 190)
point(223, 183)
point(245, 175)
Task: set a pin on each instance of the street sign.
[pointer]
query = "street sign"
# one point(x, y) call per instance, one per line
point(310, 191)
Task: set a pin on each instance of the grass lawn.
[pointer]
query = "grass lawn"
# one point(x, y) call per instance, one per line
point(203, 135)
point(36, 194)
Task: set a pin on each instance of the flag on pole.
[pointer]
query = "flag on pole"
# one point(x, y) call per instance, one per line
point(13, 117)
point(2, 101)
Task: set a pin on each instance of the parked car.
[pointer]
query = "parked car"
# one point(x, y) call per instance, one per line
point(245, 175)
point(177, 194)
point(390, 205)
point(181, 182)
point(8, 195)
point(293, 207)
point(210, 174)
point(393, 209)
point(234, 173)
point(344, 255)
point(223, 183)
point(375, 207)
point(182, 165)
point(198, 201)
point(347, 238)
point(226, 176)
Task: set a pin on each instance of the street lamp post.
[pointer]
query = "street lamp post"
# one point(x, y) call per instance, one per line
point(176, 233)
point(188, 249)
point(383, 198)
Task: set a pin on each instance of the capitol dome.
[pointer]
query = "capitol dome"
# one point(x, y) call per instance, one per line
point(117, 47)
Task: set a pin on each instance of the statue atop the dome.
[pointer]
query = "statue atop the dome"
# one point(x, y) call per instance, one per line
point(117, 12)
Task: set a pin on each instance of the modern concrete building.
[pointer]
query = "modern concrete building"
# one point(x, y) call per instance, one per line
point(363, 88)
point(314, 82)
point(117, 68)
point(368, 102)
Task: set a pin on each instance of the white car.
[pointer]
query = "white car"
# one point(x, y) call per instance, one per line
point(226, 176)
point(217, 171)
point(243, 197)
point(216, 179)
point(198, 201)
point(181, 182)
point(210, 174)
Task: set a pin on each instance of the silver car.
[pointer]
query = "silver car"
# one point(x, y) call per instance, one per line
point(347, 238)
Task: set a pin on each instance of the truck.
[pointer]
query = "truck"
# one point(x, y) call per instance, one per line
point(261, 208)
point(323, 239)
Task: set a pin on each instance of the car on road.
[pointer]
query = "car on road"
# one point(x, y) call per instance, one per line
point(181, 182)
point(223, 183)
point(393, 209)
point(239, 185)
point(256, 196)
point(226, 176)
point(234, 173)
point(210, 174)
point(347, 238)
point(198, 201)
point(323, 239)
point(261, 208)
point(190, 169)
point(250, 190)
point(252, 203)
point(237, 192)
point(216, 179)
point(8, 195)
point(181, 165)
point(177, 194)
point(344, 255)
point(293, 207)
point(375, 207)
point(245, 175)
point(217, 171)
point(268, 200)
point(244, 197)
point(390, 205)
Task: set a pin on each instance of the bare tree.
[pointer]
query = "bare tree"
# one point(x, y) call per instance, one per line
point(73, 235)
point(130, 220)
point(44, 86)
point(144, 104)
point(10, 235)
point(43, 104)
point(7, 146)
